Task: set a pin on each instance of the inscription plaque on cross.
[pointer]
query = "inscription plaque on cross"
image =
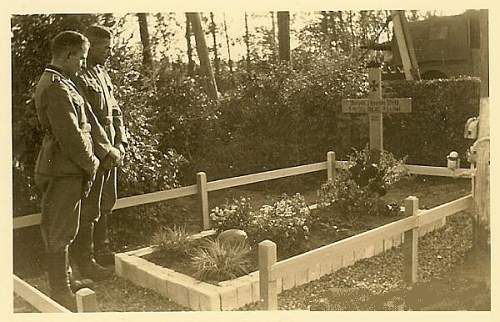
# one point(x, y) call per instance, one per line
point(376, 106)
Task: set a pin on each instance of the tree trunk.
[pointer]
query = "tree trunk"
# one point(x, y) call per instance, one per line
point(230, 62)
point(351, 28)
point(342, 38)
point(324, 28)
point(189, 47)
point(147, 56)
point(284, 35)
point(363, 21)
point(388, 30)
point(247, 42)
point(216, 56)
point(273, 31)
point(333, 36)
point(202, 50)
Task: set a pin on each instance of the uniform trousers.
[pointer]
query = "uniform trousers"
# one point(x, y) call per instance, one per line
point(61, 202)
point(99, 204)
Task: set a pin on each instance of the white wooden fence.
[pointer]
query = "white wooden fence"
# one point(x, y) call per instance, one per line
point(270, 271)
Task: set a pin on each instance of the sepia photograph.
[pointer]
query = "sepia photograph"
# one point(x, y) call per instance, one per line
point(273, 160)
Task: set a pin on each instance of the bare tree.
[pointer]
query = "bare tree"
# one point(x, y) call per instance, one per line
point(284, 35)
point(247, 41)
point(189, 47)
point(273, 32)
point(230, 62)
point(202, 50)
point(351, 28)
point(147, 56)
point(213, 30)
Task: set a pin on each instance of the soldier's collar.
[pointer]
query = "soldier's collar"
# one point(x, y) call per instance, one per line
point(56, 70)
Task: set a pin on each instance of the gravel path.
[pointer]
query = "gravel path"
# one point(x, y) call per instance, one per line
point(355, 287)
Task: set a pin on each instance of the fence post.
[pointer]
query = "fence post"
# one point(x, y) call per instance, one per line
point(267, 281)
point(86, 300)
point(410, 245)
point(330, 164)
point(203, 195)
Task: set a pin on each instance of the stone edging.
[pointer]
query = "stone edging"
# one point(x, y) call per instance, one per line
point(233, 294)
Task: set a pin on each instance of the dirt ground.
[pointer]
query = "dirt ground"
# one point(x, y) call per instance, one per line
point(467, 287)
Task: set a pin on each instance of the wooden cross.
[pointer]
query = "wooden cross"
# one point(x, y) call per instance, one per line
point(376, 106)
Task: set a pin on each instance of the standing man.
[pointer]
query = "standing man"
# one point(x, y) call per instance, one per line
point(92, 244)
point(68, 159)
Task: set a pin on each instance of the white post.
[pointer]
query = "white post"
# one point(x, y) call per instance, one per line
point(482, 179)
point(267, 282)
point(410, 245)
point(330, 165)
point(86, 300)
point(203, 195)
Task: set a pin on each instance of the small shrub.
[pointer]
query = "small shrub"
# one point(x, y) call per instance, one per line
point(345, 198)
point(356, 192)
point(237, 214)
point(220, 261)
point(176, 240)
point(377, 171)
point(286, 223)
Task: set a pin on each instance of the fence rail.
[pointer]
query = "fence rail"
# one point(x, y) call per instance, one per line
point(85, 298)
point(265, 176)
point(37, 299)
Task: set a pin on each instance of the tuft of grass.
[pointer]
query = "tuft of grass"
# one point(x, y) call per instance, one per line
point(176, 240)
point(218, 261)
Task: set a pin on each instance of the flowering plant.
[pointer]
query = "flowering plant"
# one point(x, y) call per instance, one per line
point(285, 222)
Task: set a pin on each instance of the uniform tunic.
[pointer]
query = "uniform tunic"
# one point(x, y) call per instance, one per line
point(66, 159)
point(98, 88)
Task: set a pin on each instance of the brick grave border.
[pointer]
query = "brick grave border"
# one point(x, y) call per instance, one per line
point(232, 294)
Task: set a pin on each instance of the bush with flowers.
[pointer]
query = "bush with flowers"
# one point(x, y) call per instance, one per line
point(285, 222)
point(357, 192)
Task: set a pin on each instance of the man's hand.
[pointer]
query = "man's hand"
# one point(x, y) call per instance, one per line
point(121, 148)
point(87, 185)
point(111, 160)
point(89, 179)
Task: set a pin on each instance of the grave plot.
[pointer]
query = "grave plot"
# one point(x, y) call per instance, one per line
point(295, 271)
point(232, 294)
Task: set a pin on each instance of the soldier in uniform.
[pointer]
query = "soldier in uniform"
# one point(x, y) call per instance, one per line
point(91, 246)
point(68, 159)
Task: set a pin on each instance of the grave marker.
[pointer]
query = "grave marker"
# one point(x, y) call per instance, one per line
point(375, 106)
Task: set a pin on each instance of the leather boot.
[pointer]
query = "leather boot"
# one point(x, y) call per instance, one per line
point(60, 290)
point(76, 283)
point(82, 256)
point(102, 252)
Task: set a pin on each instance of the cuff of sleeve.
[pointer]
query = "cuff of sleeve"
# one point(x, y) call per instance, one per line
point(95, 165)
point(121, 136)
point(102, 150)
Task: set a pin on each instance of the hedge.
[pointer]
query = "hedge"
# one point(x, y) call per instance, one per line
point(435, 126)
point(286, 118)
